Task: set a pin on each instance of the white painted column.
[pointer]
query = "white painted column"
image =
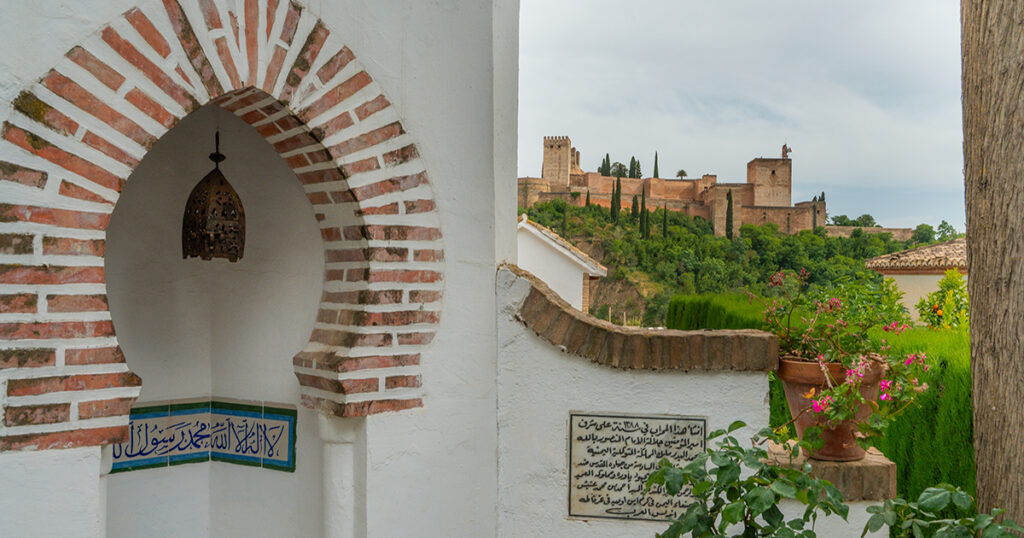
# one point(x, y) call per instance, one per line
point(344, 476)
point(106, 463)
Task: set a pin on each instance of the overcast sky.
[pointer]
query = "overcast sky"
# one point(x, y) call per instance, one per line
point(866, 93)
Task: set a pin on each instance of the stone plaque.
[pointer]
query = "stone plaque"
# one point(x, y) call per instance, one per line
point(611, 456)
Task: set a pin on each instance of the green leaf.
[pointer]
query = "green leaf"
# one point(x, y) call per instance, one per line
point(733, 512)
point(729, 474)
point(759, 500)
point(700, 487)
point(934, 499)
point(736, 425)
point(785, 489)
point(773, 516)
point(962, 500)
point(874, 523)
point(674, 480)
point(796, 523)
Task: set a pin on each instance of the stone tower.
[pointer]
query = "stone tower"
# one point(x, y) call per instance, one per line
point(772, 180)
point(558, 160)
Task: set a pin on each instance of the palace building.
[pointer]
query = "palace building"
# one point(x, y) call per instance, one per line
point(765, 197)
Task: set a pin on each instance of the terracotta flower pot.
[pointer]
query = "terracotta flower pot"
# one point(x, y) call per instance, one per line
point(798, 377)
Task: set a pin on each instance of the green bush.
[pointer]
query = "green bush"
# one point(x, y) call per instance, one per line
point(692, 312)
point(931, 442)
point(946, 307)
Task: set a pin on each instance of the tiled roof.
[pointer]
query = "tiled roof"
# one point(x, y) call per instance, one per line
point(595, 267)
point(948, 255)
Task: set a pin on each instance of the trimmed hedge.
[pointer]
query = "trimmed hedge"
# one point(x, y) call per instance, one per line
point(931, 442)
point(692, 312)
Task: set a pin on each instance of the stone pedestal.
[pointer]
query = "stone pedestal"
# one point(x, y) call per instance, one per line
point(863, 483)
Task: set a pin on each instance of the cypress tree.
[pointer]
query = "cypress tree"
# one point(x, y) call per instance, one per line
point(645, 225)
point(728, 215)
point(634, 212)
point(632, 167)
point(607, 171)
point(655, 164)
point(664, 221)
point(588, 197)
point(639, 172)
point(616, 199)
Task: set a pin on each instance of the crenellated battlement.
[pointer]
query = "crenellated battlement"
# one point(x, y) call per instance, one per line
point(765, 197)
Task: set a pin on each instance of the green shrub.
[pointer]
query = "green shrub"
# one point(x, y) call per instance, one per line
point(692, 312)
point(932, 442)
point(946, 307)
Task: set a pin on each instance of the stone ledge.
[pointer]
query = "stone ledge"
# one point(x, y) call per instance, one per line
point(870, 479)
point(575, 332)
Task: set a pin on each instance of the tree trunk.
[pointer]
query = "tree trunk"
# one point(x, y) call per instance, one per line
point(993, 105)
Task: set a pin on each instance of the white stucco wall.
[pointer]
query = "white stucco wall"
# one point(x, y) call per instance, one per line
point(554, 268)
point(215, 328)
point(55, 493)
point(434, 466)
point(915, 287)
point(537, 387)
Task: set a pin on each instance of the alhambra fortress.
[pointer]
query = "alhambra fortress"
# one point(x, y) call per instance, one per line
point(765, 197)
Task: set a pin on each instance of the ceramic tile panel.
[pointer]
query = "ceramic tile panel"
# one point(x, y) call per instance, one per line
point(242, 432)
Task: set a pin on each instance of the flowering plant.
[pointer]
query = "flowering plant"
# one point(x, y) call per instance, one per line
point(831, 326)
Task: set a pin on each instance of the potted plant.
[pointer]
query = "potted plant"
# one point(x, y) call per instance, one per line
point(835, 376)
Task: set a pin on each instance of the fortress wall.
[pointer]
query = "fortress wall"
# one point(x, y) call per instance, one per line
point(899, 234)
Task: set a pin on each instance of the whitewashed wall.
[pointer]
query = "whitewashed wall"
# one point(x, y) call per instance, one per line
point(554, 268)
point(537, 387)
point(214, 328)
point(436, 61)
point(915, 287)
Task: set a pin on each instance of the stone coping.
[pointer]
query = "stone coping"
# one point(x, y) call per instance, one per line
point(575, 332)
point(870, 479)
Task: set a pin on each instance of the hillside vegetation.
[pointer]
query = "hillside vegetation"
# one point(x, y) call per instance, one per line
point(683, 256)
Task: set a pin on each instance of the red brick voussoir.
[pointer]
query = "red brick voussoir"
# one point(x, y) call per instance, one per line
point(79, 130)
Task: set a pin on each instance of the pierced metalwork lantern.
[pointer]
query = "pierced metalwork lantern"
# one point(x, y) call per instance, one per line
point(214, 221)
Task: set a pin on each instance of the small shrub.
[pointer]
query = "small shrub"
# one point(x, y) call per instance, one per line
point(734, 489)
point(946, 307)
point(940, 511)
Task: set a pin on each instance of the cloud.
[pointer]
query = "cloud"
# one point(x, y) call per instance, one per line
point(867, 93)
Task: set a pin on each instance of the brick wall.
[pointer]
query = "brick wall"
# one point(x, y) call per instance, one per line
point(76, 135)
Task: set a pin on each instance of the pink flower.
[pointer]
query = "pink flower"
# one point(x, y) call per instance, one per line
point(885, 397)
point(885, 384)
point(821, 405)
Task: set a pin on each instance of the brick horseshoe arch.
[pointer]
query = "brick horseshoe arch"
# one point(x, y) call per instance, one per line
point(74, 137)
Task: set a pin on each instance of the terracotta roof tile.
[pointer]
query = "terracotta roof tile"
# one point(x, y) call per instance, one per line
point(948, 255)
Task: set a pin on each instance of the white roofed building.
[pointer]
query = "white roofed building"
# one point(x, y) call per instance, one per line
point(564, 268)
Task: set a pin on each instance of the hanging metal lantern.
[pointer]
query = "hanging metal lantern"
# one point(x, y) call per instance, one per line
point(214, 221)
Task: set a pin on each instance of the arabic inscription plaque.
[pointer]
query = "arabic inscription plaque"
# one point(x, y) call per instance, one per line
point(611, 456)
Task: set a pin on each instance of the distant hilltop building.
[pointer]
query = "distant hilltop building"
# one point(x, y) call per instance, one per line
point(765, 197)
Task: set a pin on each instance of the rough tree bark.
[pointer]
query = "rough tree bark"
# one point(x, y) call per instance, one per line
point(993, 113)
